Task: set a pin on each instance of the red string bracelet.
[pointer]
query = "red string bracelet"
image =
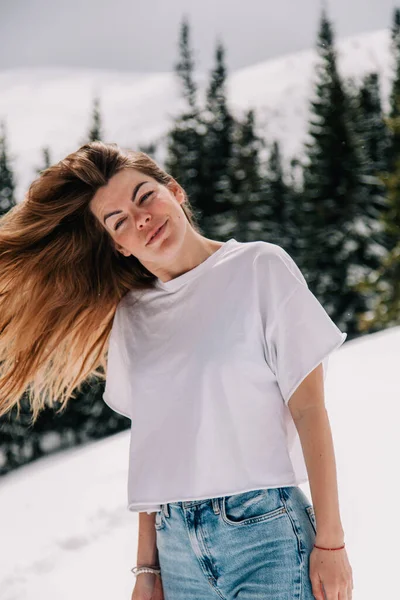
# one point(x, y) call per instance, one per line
point(321, 548)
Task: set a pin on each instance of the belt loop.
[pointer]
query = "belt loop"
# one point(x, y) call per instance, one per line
point(215, 505)
point(165, 509)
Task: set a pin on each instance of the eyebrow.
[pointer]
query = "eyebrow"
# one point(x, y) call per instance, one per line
point(135, 191)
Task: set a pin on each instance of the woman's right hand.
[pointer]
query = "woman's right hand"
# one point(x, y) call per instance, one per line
point(148, 586)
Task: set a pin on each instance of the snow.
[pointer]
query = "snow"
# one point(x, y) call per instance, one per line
point(66, 531)
point(281, 89)
point(52, 106)
point(65, 528)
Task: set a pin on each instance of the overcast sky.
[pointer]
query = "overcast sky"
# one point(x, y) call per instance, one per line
point(141, 35)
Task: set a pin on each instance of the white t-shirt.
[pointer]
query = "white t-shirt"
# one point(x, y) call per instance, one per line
point(204, 366)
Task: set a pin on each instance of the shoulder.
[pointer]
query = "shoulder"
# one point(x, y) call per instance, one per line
point(120, 316)
point(260, 248)
point(272, 261)
point(129, 301)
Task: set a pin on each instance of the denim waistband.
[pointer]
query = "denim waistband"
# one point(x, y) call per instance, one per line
point(189, 503)
point(214, 501)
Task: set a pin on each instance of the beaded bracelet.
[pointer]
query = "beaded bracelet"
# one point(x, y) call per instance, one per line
point(137, 570)
point(321, 548)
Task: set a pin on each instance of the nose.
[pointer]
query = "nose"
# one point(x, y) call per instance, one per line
point(142, 220)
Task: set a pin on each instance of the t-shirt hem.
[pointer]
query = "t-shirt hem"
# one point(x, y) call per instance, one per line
point(116, 410)
point(142, 507)
point(314, 365)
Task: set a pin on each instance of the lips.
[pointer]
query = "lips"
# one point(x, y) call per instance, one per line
point(154, 232)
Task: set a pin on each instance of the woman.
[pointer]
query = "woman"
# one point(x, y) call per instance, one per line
point(215, 351)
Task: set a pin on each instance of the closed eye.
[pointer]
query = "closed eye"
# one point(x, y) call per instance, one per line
point(119, 223)
point(144, 197)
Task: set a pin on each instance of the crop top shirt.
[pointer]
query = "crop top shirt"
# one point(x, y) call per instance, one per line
point(204, 366)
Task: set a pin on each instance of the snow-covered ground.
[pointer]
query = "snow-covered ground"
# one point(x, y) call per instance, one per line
point(52, 107)
point(66, 532)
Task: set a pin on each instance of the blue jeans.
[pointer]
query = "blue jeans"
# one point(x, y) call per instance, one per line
point(250, 546)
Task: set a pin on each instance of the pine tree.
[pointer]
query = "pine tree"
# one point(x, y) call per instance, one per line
point(391, 179)
point(333, 228)
point(384, 308)
point(247, 146)
point(280, 203)
point(374, 278)
point(149, 148)
point(185, 67)
point(219, 139)
point(374, 135)
point(14, 443)
point(383, 285)
point(394, 113)
point(85, 418)
point(185, 139)
point(7, 181)
point(370, 124)
point(393, 122)
point(218, 165)
point(95, 131)
point(46, 160)
point(244, 219)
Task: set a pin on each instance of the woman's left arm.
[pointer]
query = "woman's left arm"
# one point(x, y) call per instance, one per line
point(329, 567)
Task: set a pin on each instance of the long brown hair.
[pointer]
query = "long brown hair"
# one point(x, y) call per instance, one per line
point(61, 278)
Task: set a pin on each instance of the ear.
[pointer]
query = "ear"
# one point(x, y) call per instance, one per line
point(176, 189)
point(122, 250)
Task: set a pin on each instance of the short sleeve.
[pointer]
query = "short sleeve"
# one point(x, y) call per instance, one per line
point(117, 391)
point(299, 333)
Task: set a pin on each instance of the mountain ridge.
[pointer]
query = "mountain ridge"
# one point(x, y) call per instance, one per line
point(48, 106)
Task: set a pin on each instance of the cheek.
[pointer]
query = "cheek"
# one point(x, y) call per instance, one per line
point(161, 204)
point(129, 237)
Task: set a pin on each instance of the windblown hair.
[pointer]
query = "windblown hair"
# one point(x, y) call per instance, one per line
point(61, 278)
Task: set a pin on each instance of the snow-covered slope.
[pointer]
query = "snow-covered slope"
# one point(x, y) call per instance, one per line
point(52, 106)
point(66, 531)
point(281, 89)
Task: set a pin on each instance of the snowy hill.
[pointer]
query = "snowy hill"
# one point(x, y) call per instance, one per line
point(52, 106)
point(66, 531)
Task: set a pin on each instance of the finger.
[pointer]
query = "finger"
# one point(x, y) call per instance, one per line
point(317, 589)
point(345, 594)
point(332, 595)
point(349, 592)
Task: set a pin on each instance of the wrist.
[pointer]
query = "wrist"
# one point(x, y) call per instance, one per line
point(329, 549)
point(146, 576)
point(146, 569)
point(329, 540)
point(147, 557)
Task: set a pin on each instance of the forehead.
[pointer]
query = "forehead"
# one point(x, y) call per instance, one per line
point(118, 189)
